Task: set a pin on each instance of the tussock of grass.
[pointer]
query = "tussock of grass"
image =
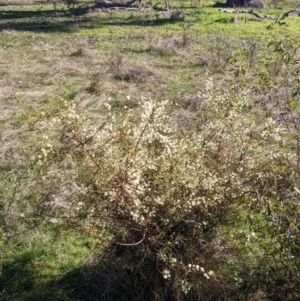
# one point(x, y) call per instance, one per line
point(68, 68)
point(139, 70)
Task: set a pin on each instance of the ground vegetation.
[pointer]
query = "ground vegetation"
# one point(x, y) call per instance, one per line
point(149, 151)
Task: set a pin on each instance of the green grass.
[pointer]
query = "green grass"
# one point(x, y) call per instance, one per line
point(43, 268)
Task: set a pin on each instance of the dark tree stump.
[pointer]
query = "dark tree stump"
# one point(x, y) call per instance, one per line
point(246, 3)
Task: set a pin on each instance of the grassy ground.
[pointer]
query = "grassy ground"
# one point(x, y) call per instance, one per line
point(43, 268)
point(94, 55)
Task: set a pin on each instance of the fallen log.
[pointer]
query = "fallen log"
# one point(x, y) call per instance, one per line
point(293, 12)
point(242, 11)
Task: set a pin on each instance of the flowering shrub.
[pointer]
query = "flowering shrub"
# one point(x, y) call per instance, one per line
point(158, 194)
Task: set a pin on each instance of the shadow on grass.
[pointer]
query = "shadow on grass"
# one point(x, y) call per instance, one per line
point(23, 280)
point(18, 278)
point(118, 275)
point(134, 21)
point(40, 13)
point(104, 280)
point(69, 20)
point(45, 26)
point(43, 20)
point(72, 25)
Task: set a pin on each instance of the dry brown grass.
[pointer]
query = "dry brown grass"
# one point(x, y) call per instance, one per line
point(167, 45)
point(69, 67)
point(140, 70)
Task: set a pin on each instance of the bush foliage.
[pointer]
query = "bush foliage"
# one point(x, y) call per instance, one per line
point(195, 202)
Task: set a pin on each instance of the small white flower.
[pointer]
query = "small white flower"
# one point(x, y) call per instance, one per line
point(166, 273)
point(137, 202)
point(107, 105)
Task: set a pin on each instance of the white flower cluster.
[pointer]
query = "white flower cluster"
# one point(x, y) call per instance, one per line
point(68, 115)
point(196, 268)
point(166, 274)
point(185, 286)
point(148, 176)
point(45, 150)
point(173, 265)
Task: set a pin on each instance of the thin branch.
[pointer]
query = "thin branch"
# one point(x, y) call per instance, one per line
point(133, 244)
point(287, 14)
